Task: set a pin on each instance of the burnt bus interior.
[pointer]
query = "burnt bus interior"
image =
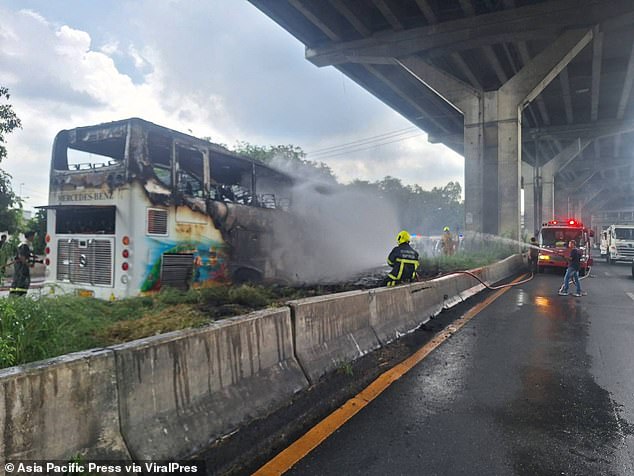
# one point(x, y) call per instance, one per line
point(89, 148)
point(205, 171)
point(181, 165)
point(88, 220)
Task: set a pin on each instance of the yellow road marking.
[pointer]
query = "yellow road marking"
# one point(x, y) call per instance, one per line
point(286, 459)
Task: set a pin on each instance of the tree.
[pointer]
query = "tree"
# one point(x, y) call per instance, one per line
point(9, 217)
point(289, 158)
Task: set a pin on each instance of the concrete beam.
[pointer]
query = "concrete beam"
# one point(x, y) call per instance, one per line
point(541, 21)
point(388, 13)
point(566, 156)
point(589, 130)
point(395, 86)
point(355, 16)
point(565, 89)
point(317, 19)
point(456, 92)
point(627, 86)
point(597, 55)
point(536, 75)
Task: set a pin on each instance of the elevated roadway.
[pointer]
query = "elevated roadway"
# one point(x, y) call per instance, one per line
point(535, 93)
point(533, 384)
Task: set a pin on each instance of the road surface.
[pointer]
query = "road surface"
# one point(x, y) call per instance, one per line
point(534, 384)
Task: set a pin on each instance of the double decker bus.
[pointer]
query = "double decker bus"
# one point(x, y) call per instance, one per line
point(553, 242)
point(134, 206)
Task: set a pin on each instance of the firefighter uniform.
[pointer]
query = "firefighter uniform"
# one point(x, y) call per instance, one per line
point(404, 261)
point(21, 269)
point(447, 242)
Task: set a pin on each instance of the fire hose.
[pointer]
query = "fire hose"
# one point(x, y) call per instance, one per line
point(473, 275)
point(501, 286)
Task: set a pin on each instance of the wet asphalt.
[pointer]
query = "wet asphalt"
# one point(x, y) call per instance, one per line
point(536, 384)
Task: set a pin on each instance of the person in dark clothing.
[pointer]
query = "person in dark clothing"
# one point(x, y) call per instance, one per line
point(573, 271)
point(404, 261)
point(533, 254)
point(3, 240)
point(21, 266)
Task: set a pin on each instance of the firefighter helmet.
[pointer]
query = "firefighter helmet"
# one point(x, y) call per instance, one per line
point(403, 237)
point(445, 228)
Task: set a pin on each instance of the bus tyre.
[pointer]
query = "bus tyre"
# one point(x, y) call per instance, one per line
point(246, 275)
point(540, 269)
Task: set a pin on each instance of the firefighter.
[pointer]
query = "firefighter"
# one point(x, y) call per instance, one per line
point(24, 260)
point(404, 261)
point(447, 242)
point(533, 255)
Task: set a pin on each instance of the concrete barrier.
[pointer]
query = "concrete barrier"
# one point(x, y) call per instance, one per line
point(397, 311)
point(60, 408)
point(505, 268)
point(468, 285)
point(447, 289)
point(332, 330)
point(181, 391)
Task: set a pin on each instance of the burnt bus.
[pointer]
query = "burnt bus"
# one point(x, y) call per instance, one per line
point(134, 206)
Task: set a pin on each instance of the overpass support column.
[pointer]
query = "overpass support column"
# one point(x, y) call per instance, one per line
point(548, 193)
point(492, 130)
point(562, 203)
point(548, 172)
point(529, 183)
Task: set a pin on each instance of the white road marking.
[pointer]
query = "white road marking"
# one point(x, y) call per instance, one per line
point(607, 273)
point(631, 295)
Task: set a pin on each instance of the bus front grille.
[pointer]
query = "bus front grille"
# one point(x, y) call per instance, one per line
point(85, 261)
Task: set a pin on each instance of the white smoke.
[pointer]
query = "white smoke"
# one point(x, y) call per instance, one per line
point(337, 232)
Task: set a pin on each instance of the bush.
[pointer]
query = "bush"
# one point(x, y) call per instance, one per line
point(249, 296)
point(28, 331)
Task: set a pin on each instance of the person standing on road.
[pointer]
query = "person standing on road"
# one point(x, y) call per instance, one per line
point(533, 255)
point(3, 240)
point(573, 271)
point(447, 242)
point(21, 266)
point(404, 261)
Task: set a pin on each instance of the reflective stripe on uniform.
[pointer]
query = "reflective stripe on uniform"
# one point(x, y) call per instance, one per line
point(403, 262)
point(18, 289)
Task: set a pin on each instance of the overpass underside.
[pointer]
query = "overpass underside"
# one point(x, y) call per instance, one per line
point(534, 93)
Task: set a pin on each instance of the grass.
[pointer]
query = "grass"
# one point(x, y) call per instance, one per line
point(36, 329)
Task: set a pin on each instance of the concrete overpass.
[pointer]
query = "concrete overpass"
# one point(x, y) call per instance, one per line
point(534, 93)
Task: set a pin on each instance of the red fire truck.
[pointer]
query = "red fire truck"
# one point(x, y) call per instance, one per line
point(553, 242)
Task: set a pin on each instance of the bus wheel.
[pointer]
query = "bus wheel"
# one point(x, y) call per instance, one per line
point(246, 275)
point(540, 269)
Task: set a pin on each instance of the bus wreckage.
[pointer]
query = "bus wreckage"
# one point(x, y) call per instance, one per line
point(134, 206)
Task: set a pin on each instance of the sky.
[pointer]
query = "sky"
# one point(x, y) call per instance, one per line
point(210, 68)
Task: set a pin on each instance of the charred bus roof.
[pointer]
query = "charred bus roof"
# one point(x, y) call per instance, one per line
point(109, 139)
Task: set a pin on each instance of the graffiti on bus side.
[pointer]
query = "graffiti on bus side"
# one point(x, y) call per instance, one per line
point(210, 262)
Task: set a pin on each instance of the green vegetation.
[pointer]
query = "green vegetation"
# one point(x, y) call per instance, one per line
point(35, 329)
point(432, 266)
point(9, 121)
point(424, 212)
